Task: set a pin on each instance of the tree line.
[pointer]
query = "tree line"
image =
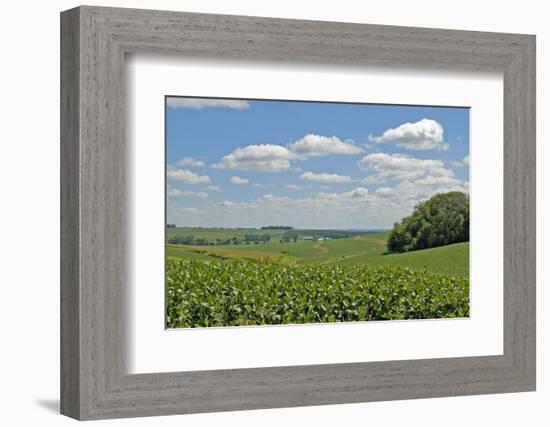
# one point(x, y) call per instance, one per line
point(201, 241)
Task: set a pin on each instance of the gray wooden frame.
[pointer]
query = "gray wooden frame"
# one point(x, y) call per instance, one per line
point(94, 41)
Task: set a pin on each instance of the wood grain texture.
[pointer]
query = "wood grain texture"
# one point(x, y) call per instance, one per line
point(70, 220)
point(95, 40)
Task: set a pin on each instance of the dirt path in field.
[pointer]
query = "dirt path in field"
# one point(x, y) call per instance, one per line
point(371, 251)
point(322, 249)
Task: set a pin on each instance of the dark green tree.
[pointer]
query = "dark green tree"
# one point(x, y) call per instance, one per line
point(399, 240)
point(439, 221)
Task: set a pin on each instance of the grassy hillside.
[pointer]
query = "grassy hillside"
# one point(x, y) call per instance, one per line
point(225, 252)
point(452, 259)
point(366, 249)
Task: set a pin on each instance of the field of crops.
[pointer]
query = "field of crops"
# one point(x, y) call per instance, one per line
point(309, 280)
point(240, 292)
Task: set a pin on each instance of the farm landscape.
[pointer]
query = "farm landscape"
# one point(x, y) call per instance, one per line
point(359, 247)
point(326, 256)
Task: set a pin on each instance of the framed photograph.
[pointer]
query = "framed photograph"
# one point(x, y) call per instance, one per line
point(262, 213)
point(294, 232)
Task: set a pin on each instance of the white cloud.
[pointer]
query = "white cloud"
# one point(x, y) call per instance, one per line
point(172, 192)
point(461, 163)
point(190, 162)
point(320, 210)
point(358, 208)
point(383, 191)
point(277, 158)
point(319, 201)
point(324, 187)
point(215, 188)
point(313, 145)
point(183, 211)
point(358, 193)
point(186, 176)
point(437, 180)
point(297, 187)
point(260, 157)
point(238, 180)
point(200, 103)
point(330, 178)
point(425, 134)
point(383, 167)
point(228, 204)
point(176, 192)
point(408, 193)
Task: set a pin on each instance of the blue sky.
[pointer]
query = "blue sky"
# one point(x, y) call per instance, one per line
point(249, 163)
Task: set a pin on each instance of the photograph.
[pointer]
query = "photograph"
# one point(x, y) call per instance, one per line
point(297, 212)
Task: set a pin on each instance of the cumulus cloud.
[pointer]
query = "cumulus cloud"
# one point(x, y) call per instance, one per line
point(228, 204)
point(258, 157)
point(176, 192)
point(186, 176)
point(438, 180)
point(358, 208)
point(277, 158)
point(461, 163)
point(297, 187)
point(200, 103)
point(358, 193)
point(384, 191)
point(318, 202)
point(184, 211)
point(383, 167)
point(410, 180)
point(408, 193)
point(190, 162)
point(313, 145)
point(319, 210)
point(238, 180)
point(325, 178)
point(425, 134)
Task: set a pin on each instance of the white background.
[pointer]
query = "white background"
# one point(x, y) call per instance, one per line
point(152, 349)
point(29, 217)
